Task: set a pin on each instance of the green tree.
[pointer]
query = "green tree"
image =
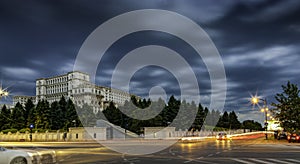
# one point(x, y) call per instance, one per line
point(212, 117)
point(250, 124)
point(17, 116)
point(287, 108)
point(72, 119)
point(29, 106)
point(42, 115)
point(200, 117)
point(153, 109)
point(63, 108)
point(31, 119)
point(234, 123)
point(55, 117)
point(171, 110)
point(224, 120)
point(113, 114)
point(5, 118)
point(87, 116)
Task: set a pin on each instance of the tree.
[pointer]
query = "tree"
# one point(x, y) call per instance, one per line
point(212, 117)
point(31, 119)
point(170, 112)
point(287, 108)
point(224, 120)
point(72, 117)
point(234, 123)
point(42, 115)
point(5, 118)
point(86, 115)
point(63, 107)
point(113, 114)
point(250, 124)
point(200, 117)
point(55, 117)
point(29, 106)
point(17, 116)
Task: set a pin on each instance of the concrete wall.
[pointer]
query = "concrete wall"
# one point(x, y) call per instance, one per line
point(74, 134)
point(170, 133)
point(109, 133)
point(86, 134)
point(35, 136)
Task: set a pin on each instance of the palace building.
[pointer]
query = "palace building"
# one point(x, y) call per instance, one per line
point(77, 86)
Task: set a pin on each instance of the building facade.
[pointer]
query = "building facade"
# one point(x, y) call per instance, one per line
point(23, 99)
point(77, 86)
point(53, 88)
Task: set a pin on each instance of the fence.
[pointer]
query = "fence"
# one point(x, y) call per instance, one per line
point(99, 133)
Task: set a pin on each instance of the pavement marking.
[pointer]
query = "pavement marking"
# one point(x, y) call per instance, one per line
point(242, 161)
point(279, 161)
point(260, 161)
point(293, 160)
point(200, 157)
point(123, 156)
point(187, 161)
point(67, 157)
point(218, 152)
point(198, 161)
point(210, 155)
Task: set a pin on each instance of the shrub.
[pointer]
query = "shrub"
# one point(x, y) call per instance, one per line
point(24, 130)
point(9, 130)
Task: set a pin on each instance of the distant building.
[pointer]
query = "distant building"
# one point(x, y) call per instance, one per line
point(22, 99)
point(75, 85)
point(53, 88)
point(9, 106)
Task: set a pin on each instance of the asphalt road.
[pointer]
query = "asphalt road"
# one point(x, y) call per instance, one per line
point(211, 151)
point(245, 151)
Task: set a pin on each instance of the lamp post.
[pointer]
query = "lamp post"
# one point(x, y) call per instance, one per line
point(31, 126)
point(255, 100)
point(74, 121)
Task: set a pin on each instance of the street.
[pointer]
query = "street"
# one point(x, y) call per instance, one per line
point(244, 151)
point(241, 151)
point(247, 151)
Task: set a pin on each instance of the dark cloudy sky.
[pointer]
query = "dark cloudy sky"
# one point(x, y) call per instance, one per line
point(259, 42)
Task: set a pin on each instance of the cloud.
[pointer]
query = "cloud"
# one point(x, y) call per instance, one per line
point(276, 55)
point(258, 42)
point(275, 10)
point(20, 73)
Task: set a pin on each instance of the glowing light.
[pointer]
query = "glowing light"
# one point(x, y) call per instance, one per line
point(254, 100)
point(3, 92)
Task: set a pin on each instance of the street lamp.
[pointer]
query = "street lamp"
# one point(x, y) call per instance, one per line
point(255, 100)
point(3, 93)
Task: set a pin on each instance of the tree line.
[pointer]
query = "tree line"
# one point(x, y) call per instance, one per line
point(204, 117)
point(43, 116)
point(62, 114)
